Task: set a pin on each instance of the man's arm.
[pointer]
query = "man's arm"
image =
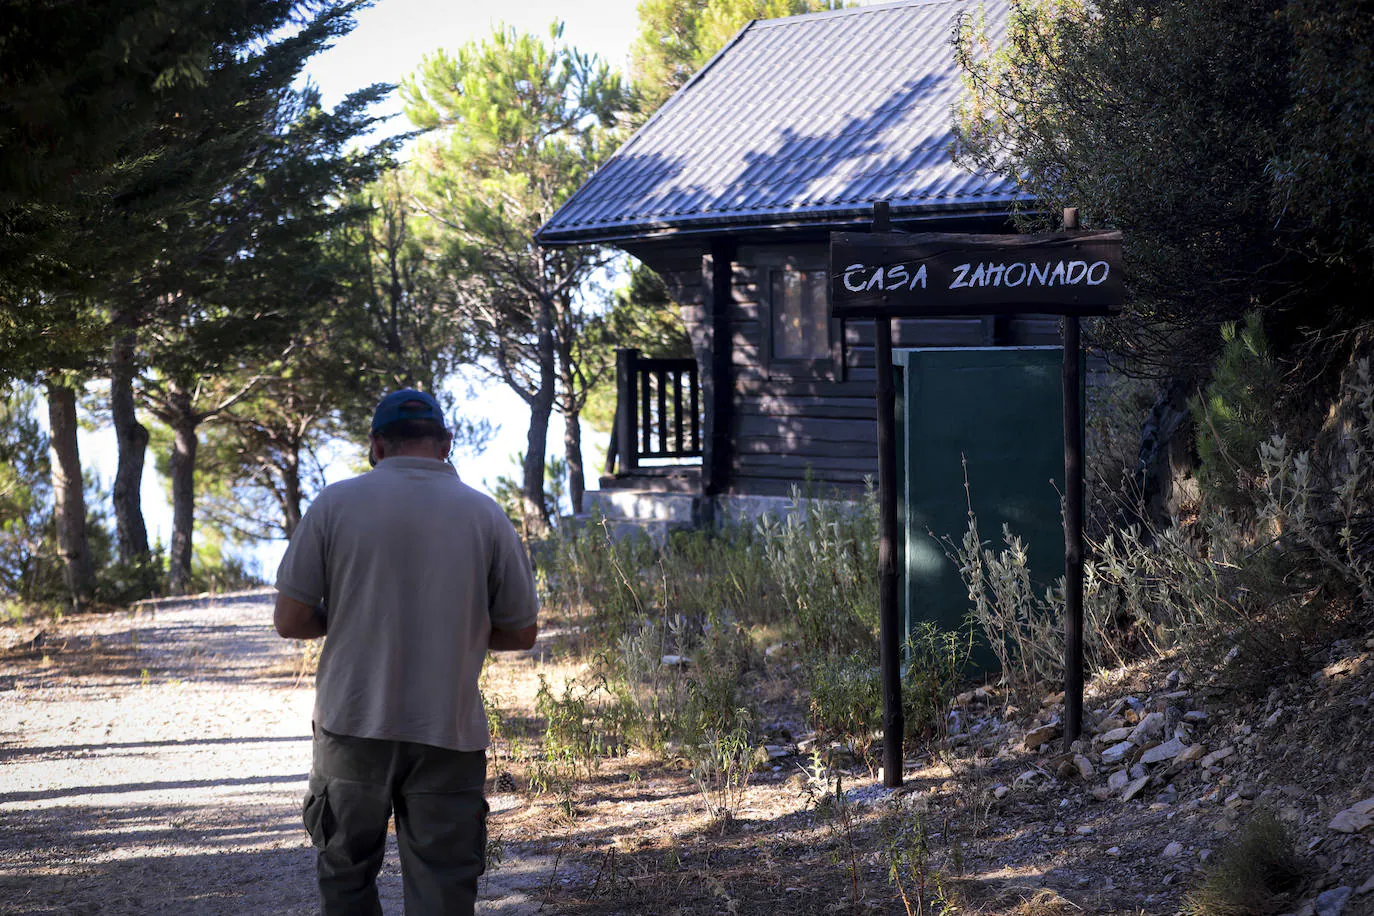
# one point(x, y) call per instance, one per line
point(296, 619)
point(513, 640)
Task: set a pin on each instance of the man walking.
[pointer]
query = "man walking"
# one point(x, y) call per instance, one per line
point(415, 576)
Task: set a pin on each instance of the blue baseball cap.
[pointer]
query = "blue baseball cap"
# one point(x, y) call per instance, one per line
point(406, 404)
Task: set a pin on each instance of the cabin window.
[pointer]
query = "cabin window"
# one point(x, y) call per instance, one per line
point(801, 320)
point(800, 340)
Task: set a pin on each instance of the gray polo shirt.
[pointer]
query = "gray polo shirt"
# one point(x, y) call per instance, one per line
point(415, 568)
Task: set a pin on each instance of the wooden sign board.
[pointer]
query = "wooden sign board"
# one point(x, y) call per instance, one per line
point(919, 274)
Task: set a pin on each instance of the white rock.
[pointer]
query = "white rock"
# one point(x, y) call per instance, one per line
point(1190, 753)
point(1152, 726)
point(1135, 788)
point(1042, 735)
point(1195, 715)
point(1115, 736)
point(1117, 752)
point(1357, 817)
point(1117, 781)
point(1332, 902)
point(1000, 792)
point(1162, 752)
point(1216, 756)
point(1114, 852)
point(673, 661)
point(1084, 831)
point(1173, 850)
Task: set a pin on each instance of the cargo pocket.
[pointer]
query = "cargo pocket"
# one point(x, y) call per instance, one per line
point(319, 821)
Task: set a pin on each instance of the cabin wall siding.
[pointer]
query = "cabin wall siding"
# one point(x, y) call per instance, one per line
point(814, 431)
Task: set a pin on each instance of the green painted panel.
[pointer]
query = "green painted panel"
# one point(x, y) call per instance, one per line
point(1000, 410)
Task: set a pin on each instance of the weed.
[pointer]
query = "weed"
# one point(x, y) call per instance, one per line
point(906, 852)
point(721, 767)
point(935, 664)
point(846, 699)
point(1251, 874)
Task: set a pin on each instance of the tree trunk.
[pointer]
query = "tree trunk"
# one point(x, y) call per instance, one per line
point(572, 450)
point(132, 439)
point(291, 494)
point(69, 499)
point(183, 466)
point(536, 443)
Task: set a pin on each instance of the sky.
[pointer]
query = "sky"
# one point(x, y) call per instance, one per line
point(390, 39)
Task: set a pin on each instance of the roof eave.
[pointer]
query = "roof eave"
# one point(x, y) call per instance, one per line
point(654, 230)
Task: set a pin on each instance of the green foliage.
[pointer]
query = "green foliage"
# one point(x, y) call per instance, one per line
point(721, 767)
point(1224, 138)
point(935, 663)
point(1234, 414)
point(825, 559)
point(516, 123)
point(847, 700)
point(677, 38)
point(644, 316)
point(29, 567)
point(1251, 874)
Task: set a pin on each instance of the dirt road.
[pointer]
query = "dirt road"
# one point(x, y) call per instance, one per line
point(154, 762)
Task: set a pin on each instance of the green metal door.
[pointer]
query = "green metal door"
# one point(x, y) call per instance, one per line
point(999, 412)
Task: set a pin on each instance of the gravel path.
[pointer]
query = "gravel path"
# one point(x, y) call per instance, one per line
point(154, 761)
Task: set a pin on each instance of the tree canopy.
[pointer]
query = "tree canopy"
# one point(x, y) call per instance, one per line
point(1228, 138)
point(677, 37)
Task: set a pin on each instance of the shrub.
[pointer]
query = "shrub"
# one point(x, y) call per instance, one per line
point(846, 699)
point(1251, 873)
point(1234, 414)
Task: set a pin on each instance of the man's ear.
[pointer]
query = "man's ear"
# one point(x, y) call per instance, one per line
point(375, 451)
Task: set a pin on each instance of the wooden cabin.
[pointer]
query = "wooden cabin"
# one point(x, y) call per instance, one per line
point(730, 193)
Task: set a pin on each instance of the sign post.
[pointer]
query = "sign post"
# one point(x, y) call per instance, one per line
point(889, 622)
point(885, 275)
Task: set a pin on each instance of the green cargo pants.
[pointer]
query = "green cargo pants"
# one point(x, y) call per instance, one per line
point(441, 823)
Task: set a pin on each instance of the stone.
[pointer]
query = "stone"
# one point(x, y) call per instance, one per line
point(1134, 788)
point(1001, 792)
point(1173, 850)
point(1332, 902)
point(1137, 771)
point(1114, 852)
point(1357, 817)
point(1195, 716)
point(1115, 736)
point(1117, 781)
point(765, 754)
point(1084, 831)
point(1163, 752)
point(1085, 766)
point(1117, 752)
point(1190, 753)
point(1066, 771)
point(1216, 756)
point(676, 661)
point(1110, 724)
point(1366, 888)
point(1167, 795)
point(1149, 728)
point(1042, 735)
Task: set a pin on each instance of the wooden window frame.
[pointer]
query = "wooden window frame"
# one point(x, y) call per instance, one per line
point(828, 368)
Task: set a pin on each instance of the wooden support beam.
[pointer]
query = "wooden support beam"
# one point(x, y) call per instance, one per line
point(1073, 521)
point(889, 620)
point(717, 385)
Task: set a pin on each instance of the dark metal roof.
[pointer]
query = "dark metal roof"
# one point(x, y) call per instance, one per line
point(796, 121)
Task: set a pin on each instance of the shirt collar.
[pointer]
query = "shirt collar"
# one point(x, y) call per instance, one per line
point(403, 462)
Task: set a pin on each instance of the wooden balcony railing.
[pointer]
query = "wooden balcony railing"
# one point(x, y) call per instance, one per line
point(657, 411)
